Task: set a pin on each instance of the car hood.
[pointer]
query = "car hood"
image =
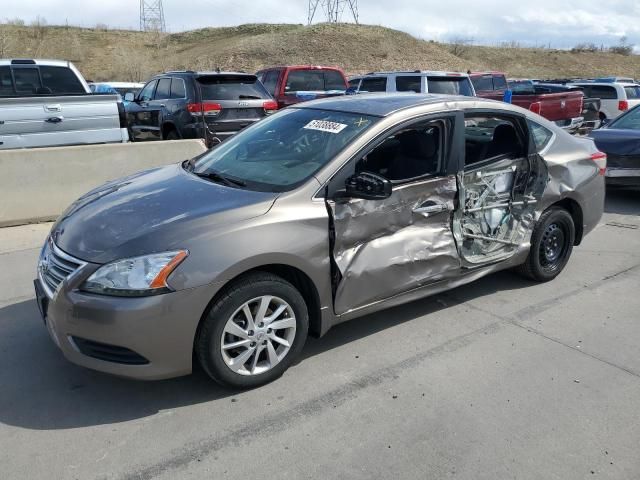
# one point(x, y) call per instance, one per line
point(617, 141)
point(152, 211)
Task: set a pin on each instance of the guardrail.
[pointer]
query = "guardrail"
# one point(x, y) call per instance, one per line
point(37, 185)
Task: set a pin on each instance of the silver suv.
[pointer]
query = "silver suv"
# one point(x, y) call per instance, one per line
point(323, 212)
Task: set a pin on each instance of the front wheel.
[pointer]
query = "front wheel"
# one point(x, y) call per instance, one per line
point(551, 245)
point(253, 332)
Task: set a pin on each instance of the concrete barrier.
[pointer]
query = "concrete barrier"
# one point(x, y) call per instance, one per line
point(37, 184)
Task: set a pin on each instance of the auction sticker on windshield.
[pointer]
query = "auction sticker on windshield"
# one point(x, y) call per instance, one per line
point(325, 126)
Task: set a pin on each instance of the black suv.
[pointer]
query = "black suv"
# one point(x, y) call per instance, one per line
point(186, 104)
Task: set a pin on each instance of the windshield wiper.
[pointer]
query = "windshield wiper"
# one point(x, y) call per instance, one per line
point(249, 97)
point(217, 177)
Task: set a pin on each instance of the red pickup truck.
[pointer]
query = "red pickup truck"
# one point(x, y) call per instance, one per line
point(557, 103)
point(294, 84)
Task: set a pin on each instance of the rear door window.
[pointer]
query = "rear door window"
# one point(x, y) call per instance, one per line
point(633, 92)
point(541, 135)
point(6, 84)
point(232, 87)
point(27, 80)
point(270, 81)
point(164, 89)
point(374, 84)
point(483, 83)
point(314, 81)
point(61, 81)
point(406, 83)
point(178, 89)
point(450, 85)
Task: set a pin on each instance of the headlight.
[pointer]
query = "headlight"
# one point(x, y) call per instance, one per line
point(135, 277)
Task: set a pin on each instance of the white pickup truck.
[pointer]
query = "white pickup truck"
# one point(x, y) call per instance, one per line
point(46, 103)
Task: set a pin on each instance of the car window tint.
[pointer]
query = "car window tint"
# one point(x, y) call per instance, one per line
point(632, 92)
point(374, 84)
point(231, 87)
point(541, 135)
point(27, 80)
point(408, 154)
point(499, 82)
point(164, 89)
point(270, 80)
point(334, 80)
point(304, 80)
point(147, 92)
point(483, 83)
point(405, 83)
point(488, 137)
point(450, 85)
point(61, 81)
point(177, 88)
point(354, 82)
point(604, 92)
point(630, 120)
point(6, 84)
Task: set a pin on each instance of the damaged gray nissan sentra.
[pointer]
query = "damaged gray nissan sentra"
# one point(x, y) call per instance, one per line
point(325, 211)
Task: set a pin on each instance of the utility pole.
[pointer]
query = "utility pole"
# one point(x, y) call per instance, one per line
point(333, 10)
point(152, 16)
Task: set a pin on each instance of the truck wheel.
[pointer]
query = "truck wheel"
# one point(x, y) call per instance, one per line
point(172, 135)
point(551, 245)
point(253, 332)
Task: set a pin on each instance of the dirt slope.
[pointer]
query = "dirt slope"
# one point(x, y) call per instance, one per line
point(131, 55)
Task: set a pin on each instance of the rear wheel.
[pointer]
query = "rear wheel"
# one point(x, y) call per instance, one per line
point(253, 332)
point(551, 245)
point(171, 135)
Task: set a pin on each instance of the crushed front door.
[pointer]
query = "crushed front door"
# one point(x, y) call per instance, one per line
point(498, 208)
point(382, 248)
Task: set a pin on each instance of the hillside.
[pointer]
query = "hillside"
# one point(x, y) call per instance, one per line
point(103, 54)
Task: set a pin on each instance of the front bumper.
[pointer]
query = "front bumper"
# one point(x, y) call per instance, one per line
point(159, 329)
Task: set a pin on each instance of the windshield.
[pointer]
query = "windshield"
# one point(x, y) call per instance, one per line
point(630, 120)
point(283, 151)
point(232, 87)
point(450, 86)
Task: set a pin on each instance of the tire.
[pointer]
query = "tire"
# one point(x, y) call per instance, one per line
point(214, 332)
point(551, 245)
point(172, 135)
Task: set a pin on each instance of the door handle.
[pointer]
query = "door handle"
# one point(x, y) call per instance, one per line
point(54, 119)
point(430, 207)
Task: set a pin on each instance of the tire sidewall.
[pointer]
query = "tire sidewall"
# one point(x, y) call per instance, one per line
point(565, 221)
point(210, 347)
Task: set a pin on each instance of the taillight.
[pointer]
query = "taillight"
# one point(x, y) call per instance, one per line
point(601, 161)
point(623, 105)
point(270, 106)
point(206, 108)
point(536, 107)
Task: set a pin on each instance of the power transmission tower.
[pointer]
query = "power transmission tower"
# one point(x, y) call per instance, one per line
point(152, 16)
point(333, 10)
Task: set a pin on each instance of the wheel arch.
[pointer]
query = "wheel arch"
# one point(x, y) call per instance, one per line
point(575, 210)
point(168, 127)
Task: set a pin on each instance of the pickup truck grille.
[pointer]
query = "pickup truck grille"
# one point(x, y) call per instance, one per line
point(55, 266)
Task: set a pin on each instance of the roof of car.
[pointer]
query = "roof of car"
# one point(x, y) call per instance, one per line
point(438, 73)
point(34, 61)
point(379, 104)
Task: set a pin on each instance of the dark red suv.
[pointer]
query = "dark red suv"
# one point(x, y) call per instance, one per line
point(294, 84)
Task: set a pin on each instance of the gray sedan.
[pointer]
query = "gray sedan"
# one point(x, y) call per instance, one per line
point(324, 212)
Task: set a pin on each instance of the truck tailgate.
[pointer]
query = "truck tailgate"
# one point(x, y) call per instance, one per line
point(59, 120)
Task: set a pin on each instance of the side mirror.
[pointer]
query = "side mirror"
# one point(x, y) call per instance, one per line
point(129, 97)
point(367, 186)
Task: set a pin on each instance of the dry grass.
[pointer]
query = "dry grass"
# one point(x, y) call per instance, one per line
point(103, 54)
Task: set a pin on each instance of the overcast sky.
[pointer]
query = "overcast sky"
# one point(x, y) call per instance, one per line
point(535, 22)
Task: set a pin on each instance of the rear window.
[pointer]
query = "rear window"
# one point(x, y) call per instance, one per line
point(603, 92)
point(314, 81)
point(499, 82)
point(374, 84)
point(483, 83)
point(221, 87)
point(27, 80)
point(61, 81)
point(270, 80)
point(409, 83)
point(450, 85)
point(632, 92)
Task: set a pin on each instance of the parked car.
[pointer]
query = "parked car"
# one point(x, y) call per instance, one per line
point(620, 140)
point(417, 81)
point(590, 106)
point(47, 103)
point(491, 85)
point(187, 104)
point(615, 97)
point(119, 88)
point(299, 83)
point(323, 212)
point(563, 107)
